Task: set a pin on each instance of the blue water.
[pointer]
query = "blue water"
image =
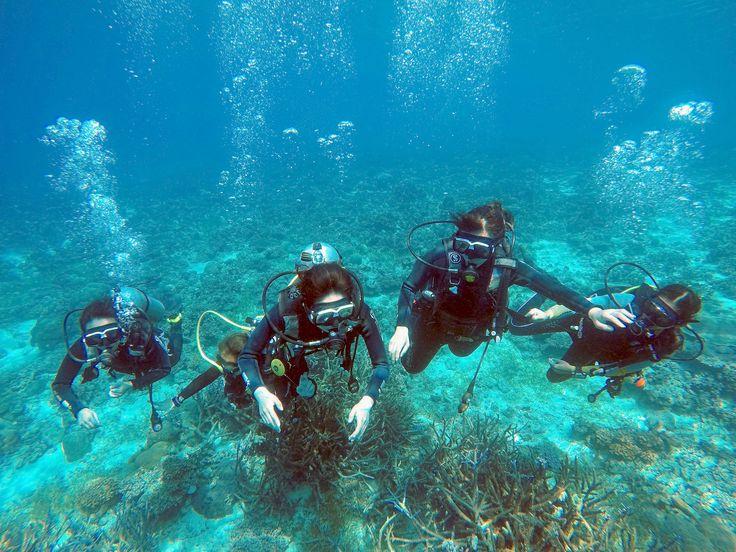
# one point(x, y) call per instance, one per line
point(195, 147)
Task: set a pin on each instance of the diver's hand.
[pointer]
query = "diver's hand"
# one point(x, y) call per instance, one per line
point(105, 359)
point(399, 343)
point(361, 413)
point(537, 314)
point(562, 367)
point(87, 418)
point(267, 405)
point(118, 389)
point(615, 317)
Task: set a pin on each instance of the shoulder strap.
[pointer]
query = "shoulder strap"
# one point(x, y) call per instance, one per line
point(505, 262)
point(287, 298)
point(501, 317)
point(454, 264)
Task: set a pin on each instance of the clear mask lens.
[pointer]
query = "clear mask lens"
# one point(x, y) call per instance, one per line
point(331, 315)
point(474, 247)
point(103, 338)
point(660, 314)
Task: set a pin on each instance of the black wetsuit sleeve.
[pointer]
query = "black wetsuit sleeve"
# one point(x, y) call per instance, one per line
point(418, 278)
point(251, 356)
point(161, 369)
point(377, 351)
point(62, 384)
point(199, 383)
point(549, 286)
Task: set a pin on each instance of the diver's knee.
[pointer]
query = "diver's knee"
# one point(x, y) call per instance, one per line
point(410, 366)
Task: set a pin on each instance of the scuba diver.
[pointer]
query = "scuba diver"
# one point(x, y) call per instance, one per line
point(119, 336)
point(228, 349)
point(322, 311)
point(660, 317)
point(226, 366)
point(458, 294)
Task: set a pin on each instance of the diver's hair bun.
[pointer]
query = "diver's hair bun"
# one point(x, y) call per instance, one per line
point(491, 217)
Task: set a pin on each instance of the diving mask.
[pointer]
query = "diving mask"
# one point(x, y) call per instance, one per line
point(330, 314)
point(474, 246)
point(660, 313)
point(103, 337)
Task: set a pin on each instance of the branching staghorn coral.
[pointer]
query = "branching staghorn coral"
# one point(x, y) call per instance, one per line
point(215, 413)
point(474, 489)
point(312, 448)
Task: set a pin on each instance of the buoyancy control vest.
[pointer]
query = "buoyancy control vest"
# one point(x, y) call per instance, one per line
point(501, 272)
point(281, 355)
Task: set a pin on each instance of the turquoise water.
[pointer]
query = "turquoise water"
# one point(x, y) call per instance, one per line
point(195, 148)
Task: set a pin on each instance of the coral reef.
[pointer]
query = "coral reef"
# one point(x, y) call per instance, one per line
point(323, 494)
point(52, 532)
point(213, 501)
point(260, 543)
point(310, 469)
point(703, 386)
point(153, 497)
point(475, 490)
point(98, 495)
point(213, 414)
point(313, 449)
point(629, 445)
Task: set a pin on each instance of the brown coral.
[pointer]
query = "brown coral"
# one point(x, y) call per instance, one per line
point(475, 490)
point(628, 445)
point(98, 496)
point(312, 448)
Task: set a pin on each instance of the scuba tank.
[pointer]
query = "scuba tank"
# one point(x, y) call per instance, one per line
point(132, 296)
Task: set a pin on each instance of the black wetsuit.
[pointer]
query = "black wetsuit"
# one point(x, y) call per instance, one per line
point(148, 369)
point(460, 320)
point(234, 386)
point(619, 351)
point(252, 361)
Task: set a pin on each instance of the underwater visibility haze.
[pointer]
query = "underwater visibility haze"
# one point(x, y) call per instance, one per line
point(169, 157)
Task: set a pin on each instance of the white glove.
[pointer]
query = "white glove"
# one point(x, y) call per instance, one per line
point(616, 317)
point(399, 343)
point(120, 388)
point(361, 413)
point(87, 418)
point(267, 404)
point(537, 314)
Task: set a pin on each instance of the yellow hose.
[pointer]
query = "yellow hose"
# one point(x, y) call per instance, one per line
point(199, 341)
